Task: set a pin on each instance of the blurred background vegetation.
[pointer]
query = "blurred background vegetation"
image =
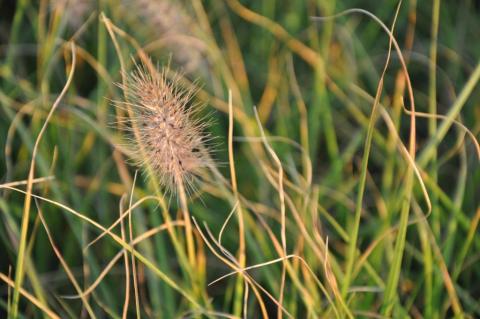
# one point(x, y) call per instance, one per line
point(361, 239)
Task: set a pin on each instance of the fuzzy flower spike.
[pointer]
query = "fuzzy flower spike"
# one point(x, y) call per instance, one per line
point(167, 135)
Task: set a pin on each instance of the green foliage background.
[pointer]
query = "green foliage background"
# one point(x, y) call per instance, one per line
point(314, 85)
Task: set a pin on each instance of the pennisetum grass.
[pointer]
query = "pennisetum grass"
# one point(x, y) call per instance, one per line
point(168, 133)
point(343, 209)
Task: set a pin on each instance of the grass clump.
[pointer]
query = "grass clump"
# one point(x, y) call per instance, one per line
point(349, 132)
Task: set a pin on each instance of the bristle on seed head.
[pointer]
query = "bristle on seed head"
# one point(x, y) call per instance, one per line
point(169, 136)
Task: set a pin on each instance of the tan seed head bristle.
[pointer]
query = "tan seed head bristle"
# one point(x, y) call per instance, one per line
point(169, 139)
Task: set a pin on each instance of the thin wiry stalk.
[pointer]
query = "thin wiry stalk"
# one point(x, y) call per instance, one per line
point(188, 225)
point(134, 267)
point(28, 198)
point(432, 127)
point(282, 207)
point(242, 259)
point(127, 268)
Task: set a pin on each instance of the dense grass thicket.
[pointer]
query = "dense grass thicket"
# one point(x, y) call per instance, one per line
point(239, 159)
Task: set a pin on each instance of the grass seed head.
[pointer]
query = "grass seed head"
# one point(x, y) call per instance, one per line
point(169, 136)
